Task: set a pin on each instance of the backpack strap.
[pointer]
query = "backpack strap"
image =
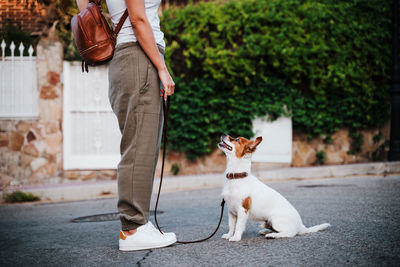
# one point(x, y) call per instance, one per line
point(121, 22)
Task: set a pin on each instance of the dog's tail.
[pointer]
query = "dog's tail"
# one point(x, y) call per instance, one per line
point(316, 228)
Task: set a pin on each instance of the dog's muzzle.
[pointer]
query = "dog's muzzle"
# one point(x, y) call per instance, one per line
point(225, 145)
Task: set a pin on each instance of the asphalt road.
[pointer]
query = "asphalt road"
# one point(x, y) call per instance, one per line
point(364, 213)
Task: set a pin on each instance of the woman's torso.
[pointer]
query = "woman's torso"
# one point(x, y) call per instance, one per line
point(117, 8)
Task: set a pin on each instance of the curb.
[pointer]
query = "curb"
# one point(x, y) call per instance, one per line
point(89, 190)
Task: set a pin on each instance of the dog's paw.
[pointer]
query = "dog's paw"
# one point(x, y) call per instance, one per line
point(271, 235)
point(226, 236)
point(280, 235)
point(235, 239)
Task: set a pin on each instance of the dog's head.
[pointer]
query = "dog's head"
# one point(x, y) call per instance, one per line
point(239, 147)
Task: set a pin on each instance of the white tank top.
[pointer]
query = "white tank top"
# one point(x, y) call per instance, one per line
point(117, 8)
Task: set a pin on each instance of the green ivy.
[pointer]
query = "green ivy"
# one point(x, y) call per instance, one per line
point(175, 168)
point(326, 63)
point(357, 141)
point(321, 157)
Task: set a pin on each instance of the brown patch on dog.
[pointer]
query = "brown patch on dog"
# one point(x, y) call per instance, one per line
point(268, 225)
point(246, 204)
point(244, 146)
point(121, 235)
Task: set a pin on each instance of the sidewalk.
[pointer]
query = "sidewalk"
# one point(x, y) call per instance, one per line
point(88, 190)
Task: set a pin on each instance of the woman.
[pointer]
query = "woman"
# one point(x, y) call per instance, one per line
point(135, 73)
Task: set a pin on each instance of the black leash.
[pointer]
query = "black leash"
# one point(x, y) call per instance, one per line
point(166, 108)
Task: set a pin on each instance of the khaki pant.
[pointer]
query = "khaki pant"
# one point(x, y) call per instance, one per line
point(134, 93)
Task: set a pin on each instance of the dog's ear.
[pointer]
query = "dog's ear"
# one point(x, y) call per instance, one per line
point(253, 144)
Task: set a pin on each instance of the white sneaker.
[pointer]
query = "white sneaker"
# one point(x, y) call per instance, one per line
point(146, 237)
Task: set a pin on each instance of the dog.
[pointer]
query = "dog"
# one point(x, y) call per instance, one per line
point(248, 198)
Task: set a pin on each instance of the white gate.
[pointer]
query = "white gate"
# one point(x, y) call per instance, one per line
point(19, 96)
point(277, 140)
point(91, 133)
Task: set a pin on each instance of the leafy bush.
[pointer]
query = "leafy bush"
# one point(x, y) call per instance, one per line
point(357, 141)
point(19, 196)
point(175, 168)
point(321, 157)
point(326, 63)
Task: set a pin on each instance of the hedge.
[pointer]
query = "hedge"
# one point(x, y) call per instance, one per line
point(326, 63)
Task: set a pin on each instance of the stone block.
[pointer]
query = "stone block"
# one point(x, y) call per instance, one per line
point(5, 180)
point(71, 175)
point(12, 170)
point(311, 158)
point(51, 169)
point(30, 149)
point(39, 175)
point(52, 158)
point(297, 160)
point(368, 144)
point(40, 145)
point(53, 144)
point(6, 125)
point(333, 157)
point(48, 92)
point(53, 77)
point(23, 127)
point(50, 110)
point(304, 149)
point(17, 141)
point(89, 176)
point(25, 160)
point(51, 127)
point(37, 163)
point(4, 139)
point(340, 140)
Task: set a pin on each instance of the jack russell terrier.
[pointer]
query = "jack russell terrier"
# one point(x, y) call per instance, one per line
point(249, 198)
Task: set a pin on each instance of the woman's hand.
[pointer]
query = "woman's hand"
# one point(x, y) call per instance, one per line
point(144, 34)
point(167, 82)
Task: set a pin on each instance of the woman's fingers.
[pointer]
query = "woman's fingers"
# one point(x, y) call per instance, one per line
point(168, 83)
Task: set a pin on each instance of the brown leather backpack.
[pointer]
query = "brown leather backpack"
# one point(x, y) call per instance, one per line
point(93, 36)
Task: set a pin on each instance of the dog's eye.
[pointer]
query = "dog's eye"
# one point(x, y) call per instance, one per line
point(237, 140)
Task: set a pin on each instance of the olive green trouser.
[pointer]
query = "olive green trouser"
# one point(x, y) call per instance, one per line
point(134, 93)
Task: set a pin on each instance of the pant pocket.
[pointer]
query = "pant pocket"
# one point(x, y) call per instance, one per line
point(145, 76)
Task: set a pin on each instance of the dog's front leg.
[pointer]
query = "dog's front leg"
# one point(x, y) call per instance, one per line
point(240, 225)
point(232, 225)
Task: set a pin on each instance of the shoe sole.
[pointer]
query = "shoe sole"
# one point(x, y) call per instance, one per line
point(134, 248)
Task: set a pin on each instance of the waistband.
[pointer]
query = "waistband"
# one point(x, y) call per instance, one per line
point(136, 44)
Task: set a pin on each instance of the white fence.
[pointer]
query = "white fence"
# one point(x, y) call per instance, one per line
point(18, 85)
point(91, 132)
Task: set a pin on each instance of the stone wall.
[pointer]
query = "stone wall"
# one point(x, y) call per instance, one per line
point(304, 153)
point(337, 151)
point(31, 150)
